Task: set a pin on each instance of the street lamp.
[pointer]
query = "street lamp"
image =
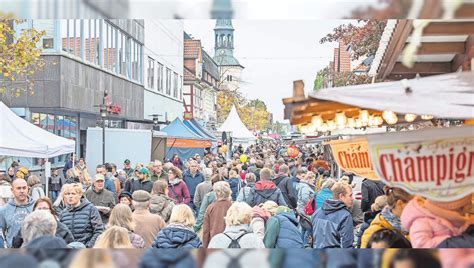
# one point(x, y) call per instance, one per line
point(103, 115)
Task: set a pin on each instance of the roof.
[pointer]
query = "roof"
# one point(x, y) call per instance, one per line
point(188, 75)
point(234, 124)
point(192, 48)
point(198, 129)
point(177, 129)
point(210, 66)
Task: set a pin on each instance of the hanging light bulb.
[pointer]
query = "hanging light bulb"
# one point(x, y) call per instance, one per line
point(317, 121)
point(410, 117)
point(426, 117)
point(331, 125)
point(390, 117)
point(351, 122)
point(358, 123)
point(324, 127)
point(341, 120)
point(378, 120)
point(364, 117)
point(372, 121)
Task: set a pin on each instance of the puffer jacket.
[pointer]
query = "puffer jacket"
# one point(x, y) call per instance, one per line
point(176, 236)
point(322, 196)
point(166, 258)
point(379, 223)
point(235, 185)
point(84, 222)
point(332, 226)
point(63, 232)
point(430, 225)
point(136, 240)
point(266, 191)
point(305, 193)
point(162, 205)
point(282, 231)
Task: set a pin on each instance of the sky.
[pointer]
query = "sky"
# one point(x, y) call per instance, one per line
point(274, 53)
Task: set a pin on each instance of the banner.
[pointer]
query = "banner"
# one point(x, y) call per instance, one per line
point(353, 156)
point(435, 163)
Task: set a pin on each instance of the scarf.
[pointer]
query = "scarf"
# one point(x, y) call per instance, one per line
point(393, 220)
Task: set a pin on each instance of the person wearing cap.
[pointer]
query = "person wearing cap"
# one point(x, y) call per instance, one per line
point(141, 183)
point(148, 225)
point(126, 199)
point(100, 197)
point(127, 167)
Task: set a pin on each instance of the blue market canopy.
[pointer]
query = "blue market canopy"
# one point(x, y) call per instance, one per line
point(177, 129)
point(200, 130)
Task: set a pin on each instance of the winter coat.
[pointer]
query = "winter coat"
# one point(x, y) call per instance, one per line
point(466, 240)
point(163, 176)
point(370, 191)
point(192, 181)
point(201, 190)
point(368, 218)
point(55, 183)
point(244, 193)
point(63, 232)
point(147, 225)
point(285, 185)
point(305, 193)
point(249, 240)
point(235, 185)
point(332, 226)
point(266, 191)
point(135, 185)
point(208, 199)
point(357, 214)
point(283, 231)
point(109, 184)
point(379, 223)
point(322, 196)
point(103, 198)
point(162, 205)
point(166, 258)
point(179, 193)
point(84, 222)
point(294, 183)
point(430, 225)
point(136, 240)
point(37, 191)
point(176, 236)
point(214, 222)
point(12, 217)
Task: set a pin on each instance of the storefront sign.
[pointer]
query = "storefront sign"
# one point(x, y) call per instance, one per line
point(353, 156)
point(435, 163)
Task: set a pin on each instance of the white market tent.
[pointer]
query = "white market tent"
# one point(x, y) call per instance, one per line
point(442, 96)
point(20, 138)
point(240, 132)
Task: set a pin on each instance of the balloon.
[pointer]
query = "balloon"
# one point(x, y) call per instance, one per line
point(243, 158)
point(293, 151)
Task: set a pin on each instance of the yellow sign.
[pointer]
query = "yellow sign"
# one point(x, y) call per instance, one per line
point(353, 156)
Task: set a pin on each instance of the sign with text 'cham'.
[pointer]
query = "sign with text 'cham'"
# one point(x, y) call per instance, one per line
point(435, 163)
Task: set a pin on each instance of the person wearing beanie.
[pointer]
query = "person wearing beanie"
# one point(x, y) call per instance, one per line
point(126, 199)
point(431, 222)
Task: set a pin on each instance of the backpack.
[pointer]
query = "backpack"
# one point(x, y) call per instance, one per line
point(234, 243)
point(310, 207)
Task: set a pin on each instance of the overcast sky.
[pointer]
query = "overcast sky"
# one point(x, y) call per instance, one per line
point(274, 54)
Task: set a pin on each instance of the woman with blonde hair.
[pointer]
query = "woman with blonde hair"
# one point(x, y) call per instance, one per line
point(179, 233)
point(36, 188)
point(121, 216)
point(114, 237)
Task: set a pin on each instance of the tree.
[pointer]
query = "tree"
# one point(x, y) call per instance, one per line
point(19, 58)
point(254, 115)
point(364, 39)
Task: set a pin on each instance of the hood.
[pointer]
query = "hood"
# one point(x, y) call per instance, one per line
point(290, 216)
point(261, 185)
point(332, 205)
point(31, 202)
point(258, 212)
point(237, 229)
point(178, 236)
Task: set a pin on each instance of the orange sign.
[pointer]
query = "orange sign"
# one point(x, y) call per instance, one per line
point(182, 143)
point(353, 156)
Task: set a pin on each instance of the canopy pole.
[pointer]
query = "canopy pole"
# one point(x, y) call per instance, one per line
point(47, 174)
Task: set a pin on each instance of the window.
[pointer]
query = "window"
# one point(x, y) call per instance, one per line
point(151, 73)
point(47, 40)
point(136, 64)
point(110, 47)
point(91, 40)
point(168, 81)
point(180, 87)
point(160, 77)
point(175, 85)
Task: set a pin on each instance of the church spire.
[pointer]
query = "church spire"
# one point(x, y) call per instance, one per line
point(223, 33)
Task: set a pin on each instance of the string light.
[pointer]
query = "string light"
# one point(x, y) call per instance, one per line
point(317, 121)
point(410, 117)
point(390, 117)
point(426, 117)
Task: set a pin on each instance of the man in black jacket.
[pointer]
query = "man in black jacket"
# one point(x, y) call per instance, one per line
point(285, 184)
point(370, 191)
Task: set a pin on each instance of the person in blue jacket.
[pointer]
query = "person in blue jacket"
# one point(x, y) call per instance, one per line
point(235, 183)
point(325, 193)
point(192, 177)
point(282, 230)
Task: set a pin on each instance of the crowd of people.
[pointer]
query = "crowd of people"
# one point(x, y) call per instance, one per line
point(263, 200)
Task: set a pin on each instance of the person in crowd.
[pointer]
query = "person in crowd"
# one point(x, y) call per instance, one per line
point(127, 167)
point(81, 217)
point(148, 225)
point(5, 189)
point(376, 208)
point(405, 258)
point(305, 190)
point(141, 183)
point(122, 216)
point(177, 162)
point(203, 188)
point(332, 224)
point(300, 174)
point(62, 231)
point(282, 230)
point(431, 222)
point(325, 193)
point(371, 189)
point(112, 174)
point(114, 237)
point(69, 163)
point(209, 198)
point(100, 197)
point(158, 173)
point(37, 225)
point(266, 190)
point(259, 165)
point(260, 216)
point(160, 202)
point(285, 184)
point(83, 173)
point(122, 177)
point(11, 174)
point(386, 238)
point(245, 192)
point(60, 203)
point(71, 177)
point(192, 177)
point(14, 212)
point(35, 186)
point(126, 199)
point(389, 217)
point(109, 184)
point(55, 184)
point(179, 233)
point(178, 189)
point(320, 163)
point(214, 216)
point(237, 233)
point(235, 183)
